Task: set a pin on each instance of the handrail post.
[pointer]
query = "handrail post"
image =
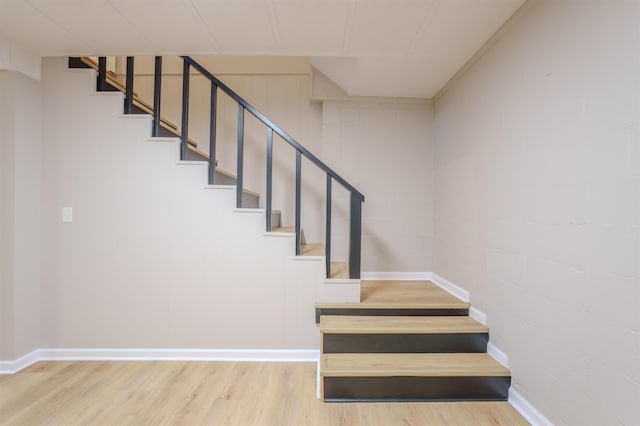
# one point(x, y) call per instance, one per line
point(212, 134)
point(128, 87)
point(327, 237)
point(297, 202)
point(269, 176)
point(355, 235)
point(157, 89)
point(240, 156)
point(185, 111)
point(102, 73)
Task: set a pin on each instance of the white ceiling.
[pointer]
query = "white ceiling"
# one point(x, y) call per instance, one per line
point(406, 48)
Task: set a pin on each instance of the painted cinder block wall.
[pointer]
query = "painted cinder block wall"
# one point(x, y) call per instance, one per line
point(93, 283)
point(384, 147)
point(152, 259)
point(537, 204)
point(20, 174)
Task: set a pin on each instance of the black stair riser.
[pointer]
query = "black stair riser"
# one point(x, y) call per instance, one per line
point(358, 389)
point(405, 343)
point(76, 62)
point(108, 87)
point(400, 312)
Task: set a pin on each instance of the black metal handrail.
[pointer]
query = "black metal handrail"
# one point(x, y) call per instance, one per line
point(356, 197)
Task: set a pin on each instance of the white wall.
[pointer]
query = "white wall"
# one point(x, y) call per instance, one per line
point(7, 212)
point(537, 204)
point(29, 140)
point(20, 215)
point(14, 57)
point(384, 149)
point(152, 259)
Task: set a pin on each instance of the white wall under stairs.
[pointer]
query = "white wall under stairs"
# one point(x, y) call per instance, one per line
point(154, 258)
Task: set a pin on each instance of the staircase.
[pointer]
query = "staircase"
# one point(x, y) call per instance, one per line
point(163, 127)
point(406, 341)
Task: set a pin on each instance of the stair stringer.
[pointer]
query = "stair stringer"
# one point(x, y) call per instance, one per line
point(155, 258)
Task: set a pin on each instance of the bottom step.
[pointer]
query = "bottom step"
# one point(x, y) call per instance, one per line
point(413, 377)
point(406, 389)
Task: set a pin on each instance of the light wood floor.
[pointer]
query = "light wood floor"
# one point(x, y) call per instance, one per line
point(208, 393)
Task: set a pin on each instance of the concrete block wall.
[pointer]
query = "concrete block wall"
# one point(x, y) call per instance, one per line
point(537, 204)
point(385, 150)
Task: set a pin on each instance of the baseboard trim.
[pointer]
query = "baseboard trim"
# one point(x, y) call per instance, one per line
point(498, 355)
point(400, 276)
point(528, 411)
point(257, 355)
point(517, 401)
point(447, 285)
point(12, 367)
point(239, 355)
point(478, 315)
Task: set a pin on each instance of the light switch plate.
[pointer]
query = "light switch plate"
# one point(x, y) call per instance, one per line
point(67, 214)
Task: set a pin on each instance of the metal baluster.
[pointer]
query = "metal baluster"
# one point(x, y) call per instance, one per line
point(355, 235)
point(327, 243)
point(102, 73)
point(240, 156)
point(128, 88)
point(212, 133)
point(185, 111)
point(269, 175)
point(157, 89)
point(298, 190)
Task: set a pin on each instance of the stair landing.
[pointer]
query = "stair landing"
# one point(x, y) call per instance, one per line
point(398, 298)
point(407, 294)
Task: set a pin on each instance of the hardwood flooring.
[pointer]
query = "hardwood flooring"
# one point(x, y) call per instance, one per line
point(208, 393)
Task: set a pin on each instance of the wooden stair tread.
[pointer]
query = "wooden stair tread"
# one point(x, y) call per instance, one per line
point(401, 294)
point(391, 305)
point(344, 324)
point(311, 249)
point(420, 365)
point(285, 229)
point(339, 270)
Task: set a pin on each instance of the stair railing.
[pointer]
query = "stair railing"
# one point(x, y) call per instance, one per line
point(356, 197)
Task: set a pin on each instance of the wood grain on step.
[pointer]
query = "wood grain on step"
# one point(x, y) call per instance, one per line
point(423, 365)
point(339, 270)
point(311, 249)
point(401, 294)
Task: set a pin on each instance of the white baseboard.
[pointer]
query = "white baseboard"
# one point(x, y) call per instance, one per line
point(498, 355)
point(258, 355)
point(400, 276)
point(446, 285)
point(528, 411)
point(318, 391)
point(255, 355)
point(478, 315)
point(11, 367)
